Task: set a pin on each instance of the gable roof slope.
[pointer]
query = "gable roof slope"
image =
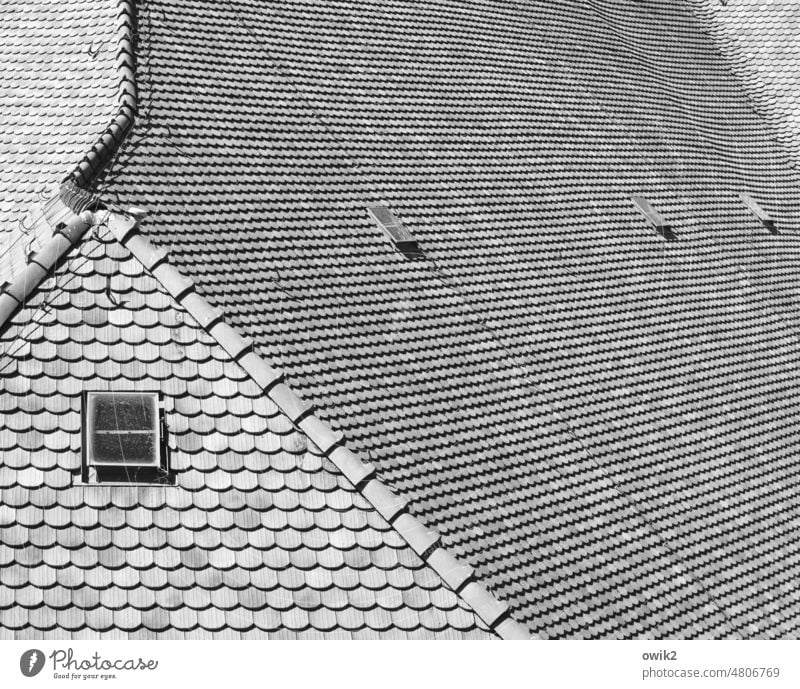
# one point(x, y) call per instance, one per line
point(262, 535)
point(599, 418)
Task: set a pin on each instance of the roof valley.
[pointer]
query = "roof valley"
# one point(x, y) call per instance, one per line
point(76, 190)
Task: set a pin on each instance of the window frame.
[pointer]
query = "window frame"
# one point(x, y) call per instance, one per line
point(159, 473)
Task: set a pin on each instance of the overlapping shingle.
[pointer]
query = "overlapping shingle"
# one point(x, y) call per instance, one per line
point(600, 421)
point(760, 40)
point(58, 87)
point(261, 536)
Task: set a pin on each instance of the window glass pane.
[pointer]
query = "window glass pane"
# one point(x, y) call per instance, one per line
point(123, 428)
point(113, 412)
point(125, 448)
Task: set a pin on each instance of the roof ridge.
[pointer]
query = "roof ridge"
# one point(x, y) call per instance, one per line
point(69, 228)
point(75, 190)
point(425, 542)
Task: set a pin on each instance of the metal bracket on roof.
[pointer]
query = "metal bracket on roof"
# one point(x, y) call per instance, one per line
point(394, 229)
point(653, 217)
point(766, 219)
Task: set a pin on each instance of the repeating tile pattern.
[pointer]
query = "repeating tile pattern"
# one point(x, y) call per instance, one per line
point(58, 89)
point(261, 536)
point(600, 420)
point(761, 39)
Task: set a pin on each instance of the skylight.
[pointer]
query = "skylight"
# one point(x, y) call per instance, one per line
point(394, 229)
point(762, 215)
point(653, 217)
point(122, 437)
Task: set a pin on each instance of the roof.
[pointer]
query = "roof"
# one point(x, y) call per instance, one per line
point(64, 48)
point(262, 536)
point(221, 564)
point(760, 41)
point(597, 417)
point(504, 381)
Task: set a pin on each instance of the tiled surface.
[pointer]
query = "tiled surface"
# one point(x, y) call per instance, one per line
point(58, 87)
point(261, 536)
point(761, 39)
point(600, 421)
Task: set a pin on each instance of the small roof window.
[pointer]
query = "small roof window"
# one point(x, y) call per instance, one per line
point(394, 229)
point(755, 208)
point(653, 217)
point(123, 438)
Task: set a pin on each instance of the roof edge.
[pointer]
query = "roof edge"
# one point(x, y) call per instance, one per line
point(75, 190)
point(425, 542)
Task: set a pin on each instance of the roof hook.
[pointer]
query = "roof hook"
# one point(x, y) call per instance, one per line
point(29, 252)
point(26, 229)
point(110, 295)
point(46, 192)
